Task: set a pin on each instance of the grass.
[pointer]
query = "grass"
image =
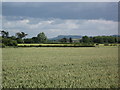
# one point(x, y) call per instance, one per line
point(60, 67)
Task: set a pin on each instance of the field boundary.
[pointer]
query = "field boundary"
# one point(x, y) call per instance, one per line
point(55, 45)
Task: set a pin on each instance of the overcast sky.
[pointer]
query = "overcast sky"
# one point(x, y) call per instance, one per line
point(60, 0)
point(60, 18)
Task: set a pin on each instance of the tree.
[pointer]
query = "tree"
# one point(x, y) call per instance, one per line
point(98, 39)
point(35, 40)
point(41, 38)
point(19, 40)
point(28, 40)
point(118, 39)
point(91, 39)
point(9, 42)
point(63, 40)
point(13, 37)
point(21, 35)
point(4, 34)
point(70, 40)
point(85, 39)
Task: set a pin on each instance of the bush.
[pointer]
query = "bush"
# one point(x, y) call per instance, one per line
point(3, 45)
point(9, 42)
point(114, 44)
point(12, 43)
point(19, 40)
point(106, 44)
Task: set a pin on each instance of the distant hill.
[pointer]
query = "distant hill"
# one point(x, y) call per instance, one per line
point(115, 35)
point(66, 36)
point(74, 37)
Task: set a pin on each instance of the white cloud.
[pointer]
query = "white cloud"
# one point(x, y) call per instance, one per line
point(24, 21)
point(54, 27)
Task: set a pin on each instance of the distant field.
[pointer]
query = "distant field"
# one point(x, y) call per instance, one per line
point(62, 45)
point(55, 45)
point(47, 67)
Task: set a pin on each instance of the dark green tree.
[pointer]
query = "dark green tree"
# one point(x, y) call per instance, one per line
point(13, 37)
point(35, 40)
point(85, 39)
point(4, 34)
point(64, 40)
point(28, 40)
point(9, 42)
point(21, 35)
point(19, 40)
point(42, 38)
point(70, 40)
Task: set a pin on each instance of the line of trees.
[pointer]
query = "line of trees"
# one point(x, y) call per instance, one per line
point(20, 38)
point(42, 38)
point(100, 39)
point(88, 40)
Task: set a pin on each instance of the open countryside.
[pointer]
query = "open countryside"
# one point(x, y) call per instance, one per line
point(38, 62)
point(59, 45)
point(47, 67)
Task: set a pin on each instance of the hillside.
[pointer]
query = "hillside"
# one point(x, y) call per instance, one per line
point(66, 36)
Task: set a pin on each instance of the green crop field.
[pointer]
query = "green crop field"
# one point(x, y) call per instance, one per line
point(53, 67)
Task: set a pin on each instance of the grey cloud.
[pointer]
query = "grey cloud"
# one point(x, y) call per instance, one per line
point(63, 10)
point(54, 27)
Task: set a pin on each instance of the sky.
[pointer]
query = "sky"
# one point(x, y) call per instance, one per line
point(60, 0)
point(60, 18)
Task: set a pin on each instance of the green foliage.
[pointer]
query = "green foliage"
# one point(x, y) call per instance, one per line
point(4, 34)
point(19, 40)
point(104, 39)
point(85, 39)
point(60, 67)
point(13, 37)
point(99, 39)
point(3, 45)
point(63, 40)
point(9, 42)
point(118, 39)
point(21, 35)
point(106, 44)
point(28, 40)
point(66, 40)
point(41, 38)
point(35, 40)
point(70, 40)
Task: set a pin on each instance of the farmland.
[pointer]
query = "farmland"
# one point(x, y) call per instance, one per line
point(48, 67)
point(65, 45)
point(56, 45)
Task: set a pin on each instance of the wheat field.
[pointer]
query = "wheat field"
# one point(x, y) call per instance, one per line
point(55, 67)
